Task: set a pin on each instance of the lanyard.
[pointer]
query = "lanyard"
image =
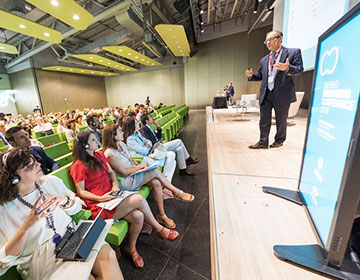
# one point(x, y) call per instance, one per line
point(276, 56)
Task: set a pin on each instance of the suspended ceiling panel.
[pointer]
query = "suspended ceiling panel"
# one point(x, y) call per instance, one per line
point(132, 55)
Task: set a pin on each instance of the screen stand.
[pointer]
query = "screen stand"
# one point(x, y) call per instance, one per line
point(293, 196)
point(312, 257)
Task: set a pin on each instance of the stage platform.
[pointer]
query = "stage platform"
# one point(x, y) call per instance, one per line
point(245, 222)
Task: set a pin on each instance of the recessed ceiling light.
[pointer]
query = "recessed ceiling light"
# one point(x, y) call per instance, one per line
point(109, 63)
point(58, 68)
point(2, 48)
point(120, 50)
point(129, 53)
point(92, 72)
point(122, 67)
point(46, 34)
point(100, 60)
point(91, 57)
point(70, 69)
point(136, 57)
point(22, 26)
point(127, 69)
point(152, 63)
point(109, 74)
point(76, 17)
point(142, 59)
point(116, 65)
point(101, 73)
point(147, 61)
point(82, 71)
point(201, 12)
point(54, 3)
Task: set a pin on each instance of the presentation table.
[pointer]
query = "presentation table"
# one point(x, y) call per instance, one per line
point(219, 102)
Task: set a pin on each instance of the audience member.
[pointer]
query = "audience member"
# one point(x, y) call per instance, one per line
point(45, 127)
point(2, 132)
point(95, 126)
point(71, 130)
point(182, 156)
point(140, 146)
point(17, 137)
point(96, 182)
point(121, 162)
point(36, 210)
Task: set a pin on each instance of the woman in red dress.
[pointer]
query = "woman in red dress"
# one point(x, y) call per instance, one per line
point(95, 180)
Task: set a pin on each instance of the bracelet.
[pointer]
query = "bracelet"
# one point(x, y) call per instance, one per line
point(66, 204)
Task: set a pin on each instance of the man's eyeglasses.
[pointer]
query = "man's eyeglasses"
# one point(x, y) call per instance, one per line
point(270, 39)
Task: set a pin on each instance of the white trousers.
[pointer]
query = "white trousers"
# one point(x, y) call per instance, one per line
point(177, 146)
point(169, 164)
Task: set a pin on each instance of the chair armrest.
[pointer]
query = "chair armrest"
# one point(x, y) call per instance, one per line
point(81, 215)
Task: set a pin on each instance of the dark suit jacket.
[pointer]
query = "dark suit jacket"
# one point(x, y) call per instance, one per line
point(284, 87)
point(146, 132)
point(47, 164)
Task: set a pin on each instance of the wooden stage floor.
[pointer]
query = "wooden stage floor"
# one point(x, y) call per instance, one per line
point(245, 222)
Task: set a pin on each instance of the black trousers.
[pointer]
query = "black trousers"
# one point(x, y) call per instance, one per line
point(281, 115)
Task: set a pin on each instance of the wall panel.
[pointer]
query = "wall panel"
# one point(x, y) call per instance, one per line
point(166, 86)
point(81, 91)
point(25, 91)
point(221, 61)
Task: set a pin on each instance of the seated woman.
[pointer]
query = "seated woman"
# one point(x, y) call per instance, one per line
point(95, 180)
point(61, 126)
point(35, 210)
point(121, 162)
point(71, 130)
point(140, 146)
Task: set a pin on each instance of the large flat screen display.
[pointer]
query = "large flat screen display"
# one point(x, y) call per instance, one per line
point(306, 20)
point(332, 114)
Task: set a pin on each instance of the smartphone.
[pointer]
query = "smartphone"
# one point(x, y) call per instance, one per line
point(117, 193)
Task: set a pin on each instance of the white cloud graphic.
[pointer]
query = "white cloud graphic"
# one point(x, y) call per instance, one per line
point(328, 71)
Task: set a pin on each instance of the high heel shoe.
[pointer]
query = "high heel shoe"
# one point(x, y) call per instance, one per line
point(138, 262)
point(173, 234)
point(165, 220)
point(180, 194)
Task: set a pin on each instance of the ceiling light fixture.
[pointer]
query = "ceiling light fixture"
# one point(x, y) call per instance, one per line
point(46, 34)
point(76, 17)
point(54, 3)
point(201, 12)
point(2, 48)
point(22, 26)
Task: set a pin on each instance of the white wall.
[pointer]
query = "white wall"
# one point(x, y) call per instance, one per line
point(6, 98)
point(166, 86)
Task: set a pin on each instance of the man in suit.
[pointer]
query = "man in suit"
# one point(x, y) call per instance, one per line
point(95, 126)
point(182, 156)
point(2, 132)
point(17, 137)
point(277, 87)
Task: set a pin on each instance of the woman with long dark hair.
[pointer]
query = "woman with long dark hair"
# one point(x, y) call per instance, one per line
point(96, 181)
point(35, 212)
point(121, 162)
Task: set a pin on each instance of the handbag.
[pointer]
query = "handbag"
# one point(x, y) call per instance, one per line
point(159, 152)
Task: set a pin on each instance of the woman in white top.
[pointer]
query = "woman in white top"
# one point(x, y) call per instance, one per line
point(121, 162)
point(61, 126)
point(36, 210)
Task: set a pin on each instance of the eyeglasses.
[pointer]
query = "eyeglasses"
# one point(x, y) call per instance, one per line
point(270, 39)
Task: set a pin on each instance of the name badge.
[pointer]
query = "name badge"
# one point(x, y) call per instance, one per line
point(271, 79)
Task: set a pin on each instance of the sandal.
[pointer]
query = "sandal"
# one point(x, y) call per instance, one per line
point(180, 194)
point(173, 234)
point(165, 220)
point(138, 262)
